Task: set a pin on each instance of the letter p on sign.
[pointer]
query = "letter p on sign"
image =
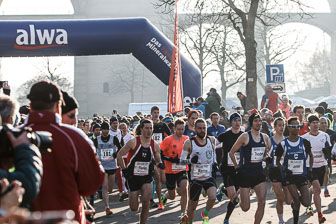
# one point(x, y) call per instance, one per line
point(275, 74)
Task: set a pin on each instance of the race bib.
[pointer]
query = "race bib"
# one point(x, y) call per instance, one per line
point(107, 154)
point(177, 167)
point(318, 156)
point(237, 155)
point(296, 166)
point(257, 154)
point(157, 137)
point(141, 168)
point(201, 170)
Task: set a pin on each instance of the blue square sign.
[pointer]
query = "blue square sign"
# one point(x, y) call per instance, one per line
point(275, 74)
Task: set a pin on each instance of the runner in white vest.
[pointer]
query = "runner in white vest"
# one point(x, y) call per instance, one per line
point(203, 160)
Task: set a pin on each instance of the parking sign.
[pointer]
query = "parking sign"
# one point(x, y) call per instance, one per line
point(275, 74)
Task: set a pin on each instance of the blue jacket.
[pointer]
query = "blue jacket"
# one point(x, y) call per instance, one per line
point(28, 170)
point(215, 131)
point(201, 107)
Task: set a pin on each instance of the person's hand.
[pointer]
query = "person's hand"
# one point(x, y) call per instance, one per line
point(13, 198)
point(21, 139)
point(288, 172)
point(194, 159)
point(268, 160)
point(114, 155)
point(173, 160)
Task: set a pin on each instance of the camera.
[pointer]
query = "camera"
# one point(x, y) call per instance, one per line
point(2, 83)
point(42, 139)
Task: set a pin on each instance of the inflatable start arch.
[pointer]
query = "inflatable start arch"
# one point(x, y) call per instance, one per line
point(136, 36)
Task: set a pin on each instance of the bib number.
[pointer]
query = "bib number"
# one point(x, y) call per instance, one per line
point(257, 154)
point(177, 167)
point(157, 137)
point(296, 166)
point(106, 154)
point(141, 168)
point(318, 156)
point(201, 170)
point(237, 155)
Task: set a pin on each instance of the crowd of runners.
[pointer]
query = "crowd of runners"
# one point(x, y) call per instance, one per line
point(153, 158)
point(185, 153)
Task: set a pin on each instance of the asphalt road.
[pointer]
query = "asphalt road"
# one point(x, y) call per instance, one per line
point(170, 214)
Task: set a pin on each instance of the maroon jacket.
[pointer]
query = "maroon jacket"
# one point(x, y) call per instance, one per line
point(71, 170)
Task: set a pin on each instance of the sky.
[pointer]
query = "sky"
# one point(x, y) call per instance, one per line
point(19, 70)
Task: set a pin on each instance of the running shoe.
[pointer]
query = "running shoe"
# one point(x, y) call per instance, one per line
point(204, 193)
point(108, 211)
point(123, 196)
point(309, 211)
point(205, 218)
point(321, 218)
point(153, 204)
point(235, 200)
point(184, 219)
point(326, 193)
point(160, 206)
point(220, 193)
point(163, 200)
point(226, 222)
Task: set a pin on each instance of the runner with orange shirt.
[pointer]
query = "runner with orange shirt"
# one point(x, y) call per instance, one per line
point(176, 174)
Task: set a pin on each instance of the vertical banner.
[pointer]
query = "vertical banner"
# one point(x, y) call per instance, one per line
point(175, 99)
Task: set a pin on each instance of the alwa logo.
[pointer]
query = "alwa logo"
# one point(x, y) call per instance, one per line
point(40, 38)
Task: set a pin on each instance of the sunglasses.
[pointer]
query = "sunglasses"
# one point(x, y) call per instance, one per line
point(72, 116)
point(295, 125)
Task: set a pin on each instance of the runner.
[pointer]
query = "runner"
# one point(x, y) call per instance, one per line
point(230, 184)
point(275, 174)
point(190, 127)
point(125, 137)
point(143, 152)
point(215, 129)
point(160, 131)
point(295, 150)
point(299, 111)
point(172, 147)
point(106, 149)
point(253, 147)
point(319, 141)
point(203, 159)
point(327, 153)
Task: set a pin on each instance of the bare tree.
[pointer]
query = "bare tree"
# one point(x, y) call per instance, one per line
point(317, 71)
point(129, 78)
point(47, 71)
point(243, 15)
point(229, 59)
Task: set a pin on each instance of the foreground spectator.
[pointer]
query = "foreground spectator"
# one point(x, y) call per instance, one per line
point(71, 169)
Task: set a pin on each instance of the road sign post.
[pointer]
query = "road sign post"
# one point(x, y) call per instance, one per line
point(275, 78)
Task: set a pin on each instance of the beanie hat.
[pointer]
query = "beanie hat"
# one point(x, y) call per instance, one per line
point(70, 103)
point(319, 110)
point(233, 116)
point(105, 126)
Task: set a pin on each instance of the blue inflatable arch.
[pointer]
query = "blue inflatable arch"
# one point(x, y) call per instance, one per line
point(136, 36)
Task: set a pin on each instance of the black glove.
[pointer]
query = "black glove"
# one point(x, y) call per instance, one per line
point(125, 173)
point(173, 160)
point(215, 167)
point(194, 159)
point(327, 153)
point(115, 154)
point(288, 172)
point(268, 160)
point(162, 165)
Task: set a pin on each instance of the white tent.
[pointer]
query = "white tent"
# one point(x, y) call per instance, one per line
point(330, 100)
point(297, 100)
